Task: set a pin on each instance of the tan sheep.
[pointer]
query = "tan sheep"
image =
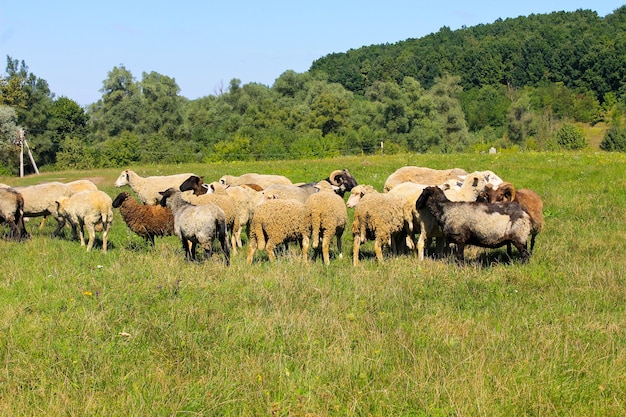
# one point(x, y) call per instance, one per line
point(90, 209)
point(377, 216)
point(278, 221)
point(262, 180)
point(422, 175)
point(41, 200)
point(327, 217)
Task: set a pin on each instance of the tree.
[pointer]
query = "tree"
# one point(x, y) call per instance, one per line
point(8, 134)
point(614, 140)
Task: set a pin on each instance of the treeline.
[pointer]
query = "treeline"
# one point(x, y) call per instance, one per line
point(526, 83)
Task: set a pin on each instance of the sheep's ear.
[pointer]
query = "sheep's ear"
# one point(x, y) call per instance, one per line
point(475, 183)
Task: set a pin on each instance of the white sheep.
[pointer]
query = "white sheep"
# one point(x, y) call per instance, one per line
point(147, 188)
point(327, 217)
point(90, 209)
point(297, 192)
point(76, 187)
point(377, 216)
point(469, 187)
point(262, 180)
point(477, 223)
point(12, 212)
point(278, 221)
point(41, 200)
point(422, 175)
point(195, 225)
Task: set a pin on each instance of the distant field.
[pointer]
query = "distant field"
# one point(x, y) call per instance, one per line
point(139, 331)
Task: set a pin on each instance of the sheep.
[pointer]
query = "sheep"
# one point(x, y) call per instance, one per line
point(90, 209)
point(216, 194)
point(40, 200)
point(475, 223)
point(341, 179)
point(468, 187)
point(76, 187)
point(145, 220)
point(195, 225)
point(297, 192)
point(148, 188)
point(527, 198)
point(278, 221)
point(422, 175)
point(377, 216)
point(262, 180)
point(417, 221)
point(327, 217)
point(243, 197)
point(11, 212)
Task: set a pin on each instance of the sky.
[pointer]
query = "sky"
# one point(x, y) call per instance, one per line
point(204, 44)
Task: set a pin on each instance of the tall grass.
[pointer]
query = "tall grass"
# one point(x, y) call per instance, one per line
point(140, 331)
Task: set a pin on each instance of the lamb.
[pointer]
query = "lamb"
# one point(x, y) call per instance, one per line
point(145, 220)
point(90, 209)
point(11, 212)
point(278, 221)
point(327, 217)
point(476, 223)
point(422, 175)
point(148, 188)
point(528, 199)
point(262, 180)
point(377, 216)
point(76, 187)
point(195, 225)
point(41, 200)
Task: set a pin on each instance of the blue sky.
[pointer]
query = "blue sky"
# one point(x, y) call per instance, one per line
point(204, 44)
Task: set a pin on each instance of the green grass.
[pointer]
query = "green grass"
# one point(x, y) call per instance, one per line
point(139, 331)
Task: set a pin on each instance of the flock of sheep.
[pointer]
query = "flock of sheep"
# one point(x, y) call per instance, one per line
point(417, 205)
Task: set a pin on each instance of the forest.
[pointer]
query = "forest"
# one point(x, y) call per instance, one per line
point(536, 83)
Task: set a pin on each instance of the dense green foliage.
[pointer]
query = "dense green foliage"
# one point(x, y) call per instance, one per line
point(141, 332)
point(509, 84)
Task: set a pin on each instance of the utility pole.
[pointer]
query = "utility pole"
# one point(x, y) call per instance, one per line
point(21, 140)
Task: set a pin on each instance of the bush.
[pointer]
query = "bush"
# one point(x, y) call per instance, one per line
point(570, 137)
point(614, 140)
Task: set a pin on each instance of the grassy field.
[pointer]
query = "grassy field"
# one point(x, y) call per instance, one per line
point(140, 332)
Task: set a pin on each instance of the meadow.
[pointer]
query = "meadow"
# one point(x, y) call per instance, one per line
point(141, 332)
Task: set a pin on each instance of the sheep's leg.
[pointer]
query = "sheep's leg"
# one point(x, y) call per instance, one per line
point(105, 237)
point(421, 243)
point(521, 247)
point(60, 225)
point(355, 250)
point(305, 247)
point(326, 247)
point(269, 248)
point(460, 252)
point(338, 236)
point(378, 248)
point(43, 222)
point(91, 230)
point(251, 250)
point(226, 250)
point(82, 234)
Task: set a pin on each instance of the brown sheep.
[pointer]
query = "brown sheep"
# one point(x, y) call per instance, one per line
point(146, 220)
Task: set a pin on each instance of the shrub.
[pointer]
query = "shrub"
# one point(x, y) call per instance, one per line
point(614, 140)
point(571, 137)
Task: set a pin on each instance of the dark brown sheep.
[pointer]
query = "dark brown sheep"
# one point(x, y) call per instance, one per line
point(147, 221)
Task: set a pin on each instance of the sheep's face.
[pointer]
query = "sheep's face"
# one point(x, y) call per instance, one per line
point(122, 179)
point(119, 200)
point(165, 195)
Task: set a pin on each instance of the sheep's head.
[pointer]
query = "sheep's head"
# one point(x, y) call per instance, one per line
point(119, 200)
point(167, 194)
point(357, 193)
point(123, 179)
point(505, 193)
point(343, 180)
point(326, 186)
point(427, 193)
point(193, 183)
